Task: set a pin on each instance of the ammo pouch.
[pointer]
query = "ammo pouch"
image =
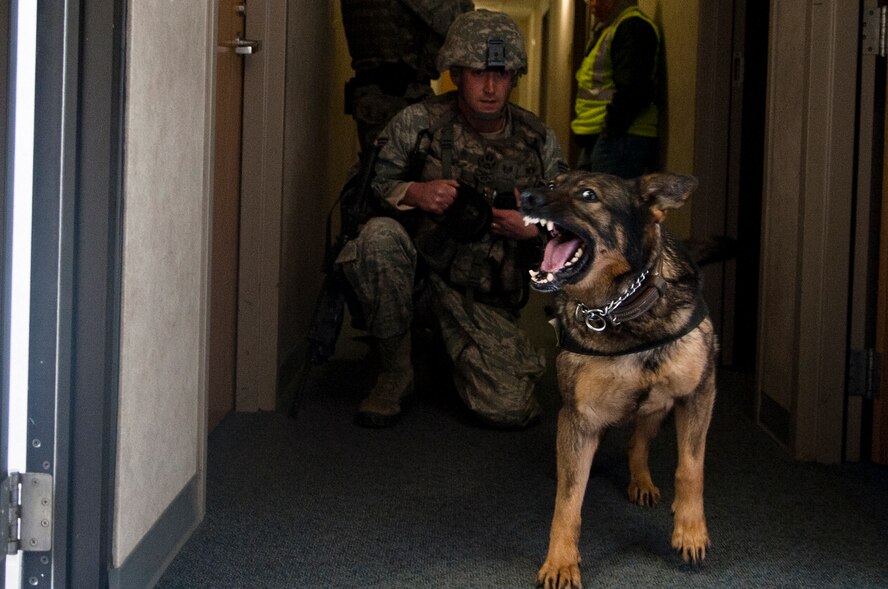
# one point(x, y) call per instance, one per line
point(489, 272)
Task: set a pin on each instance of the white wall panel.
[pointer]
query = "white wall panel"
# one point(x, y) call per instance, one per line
point(164, 263)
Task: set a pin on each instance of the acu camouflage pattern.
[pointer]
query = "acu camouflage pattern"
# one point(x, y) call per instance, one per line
point(373, 108)
point(495, 365)
point(492, 266)
point(399, 31)
point(393, 45)
point(467, 40)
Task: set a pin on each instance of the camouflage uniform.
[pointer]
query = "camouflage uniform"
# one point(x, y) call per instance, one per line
point(393, 45)
point(473, 288)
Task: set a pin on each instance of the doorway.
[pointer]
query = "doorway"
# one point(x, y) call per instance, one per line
point(231, 24)
point(879, 407)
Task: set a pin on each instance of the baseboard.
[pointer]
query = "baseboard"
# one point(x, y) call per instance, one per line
point(154, 553)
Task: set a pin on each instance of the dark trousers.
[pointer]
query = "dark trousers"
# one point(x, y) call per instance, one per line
point(627, 156)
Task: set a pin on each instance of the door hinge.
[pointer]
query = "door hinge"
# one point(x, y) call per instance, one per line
point(873, 36)
point(26, 508)
point(864, 373)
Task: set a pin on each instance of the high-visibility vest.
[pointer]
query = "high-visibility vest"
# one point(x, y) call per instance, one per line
point(596, 87)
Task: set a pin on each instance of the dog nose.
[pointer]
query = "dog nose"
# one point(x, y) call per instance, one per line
point(530, 198)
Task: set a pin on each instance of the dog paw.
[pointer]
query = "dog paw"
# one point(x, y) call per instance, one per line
point(559, 576)
point(691, 541)
point(645, 494)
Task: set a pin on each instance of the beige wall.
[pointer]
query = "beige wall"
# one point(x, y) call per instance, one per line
point(163, 318)
point(678, 25)
point(559, 103)
point(344, 150)
point(318, 147)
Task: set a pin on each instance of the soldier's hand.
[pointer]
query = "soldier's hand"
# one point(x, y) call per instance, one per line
point(433, 197)
point(509, 223)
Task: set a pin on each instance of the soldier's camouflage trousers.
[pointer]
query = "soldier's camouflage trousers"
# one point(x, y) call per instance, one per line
point(495, 364)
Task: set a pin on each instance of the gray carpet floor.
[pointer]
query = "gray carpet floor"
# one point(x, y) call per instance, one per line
point(441, 502)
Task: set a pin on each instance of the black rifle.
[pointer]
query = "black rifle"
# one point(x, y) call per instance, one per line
point(356, 205)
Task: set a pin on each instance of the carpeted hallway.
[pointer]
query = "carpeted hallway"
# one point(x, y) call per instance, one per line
point(441, 502)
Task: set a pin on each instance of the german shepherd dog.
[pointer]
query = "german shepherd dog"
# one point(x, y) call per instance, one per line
point(636, 341)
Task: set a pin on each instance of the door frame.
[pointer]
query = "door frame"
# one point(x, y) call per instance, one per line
point(879, 407)
point(5, 240)
point(806, 254)
point(863, 315)
point(76, 279)
point(715, 158)
point(97, 267)
point(225, 213)
point(50, 349)
point(262, 162)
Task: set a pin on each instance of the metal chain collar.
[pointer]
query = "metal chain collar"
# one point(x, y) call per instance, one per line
point(597, 319)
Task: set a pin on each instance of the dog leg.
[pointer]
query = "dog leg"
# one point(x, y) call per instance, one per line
point(642, 490)
point(692, 416)
point(576, 448)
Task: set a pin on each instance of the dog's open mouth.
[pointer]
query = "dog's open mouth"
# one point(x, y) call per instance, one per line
point(565, 258)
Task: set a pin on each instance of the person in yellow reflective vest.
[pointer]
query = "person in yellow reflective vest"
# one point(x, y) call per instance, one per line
point(616, 112)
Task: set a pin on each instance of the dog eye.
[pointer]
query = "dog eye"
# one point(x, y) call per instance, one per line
point(590, 195)
point(551, 186)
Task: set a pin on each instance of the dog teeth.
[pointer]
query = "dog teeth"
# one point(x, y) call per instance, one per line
point(545, 223)
point(577, 255)
point(541, 277)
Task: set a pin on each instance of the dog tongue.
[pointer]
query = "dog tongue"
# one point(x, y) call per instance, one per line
point(558, 253)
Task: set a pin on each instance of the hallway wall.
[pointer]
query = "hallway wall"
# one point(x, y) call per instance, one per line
point(162, 380)
point(678, 22)
point(317, 142)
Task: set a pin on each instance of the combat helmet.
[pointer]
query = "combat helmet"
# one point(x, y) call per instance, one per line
point(482, 39)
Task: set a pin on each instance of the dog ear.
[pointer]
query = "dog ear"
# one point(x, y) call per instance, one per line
point(665, 191)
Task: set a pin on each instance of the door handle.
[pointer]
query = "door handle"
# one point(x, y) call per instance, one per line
point(245, 46)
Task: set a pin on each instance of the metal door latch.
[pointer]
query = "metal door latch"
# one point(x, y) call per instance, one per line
point(245, 46)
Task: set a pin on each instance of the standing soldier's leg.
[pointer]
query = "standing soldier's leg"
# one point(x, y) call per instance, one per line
point(380, 266)
point(373, 110)
point(627, 156)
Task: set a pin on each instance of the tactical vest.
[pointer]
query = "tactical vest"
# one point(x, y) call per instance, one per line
point(595, 85)
point(492, 268)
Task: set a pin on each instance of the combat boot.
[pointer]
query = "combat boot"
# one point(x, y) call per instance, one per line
point(382, 406)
